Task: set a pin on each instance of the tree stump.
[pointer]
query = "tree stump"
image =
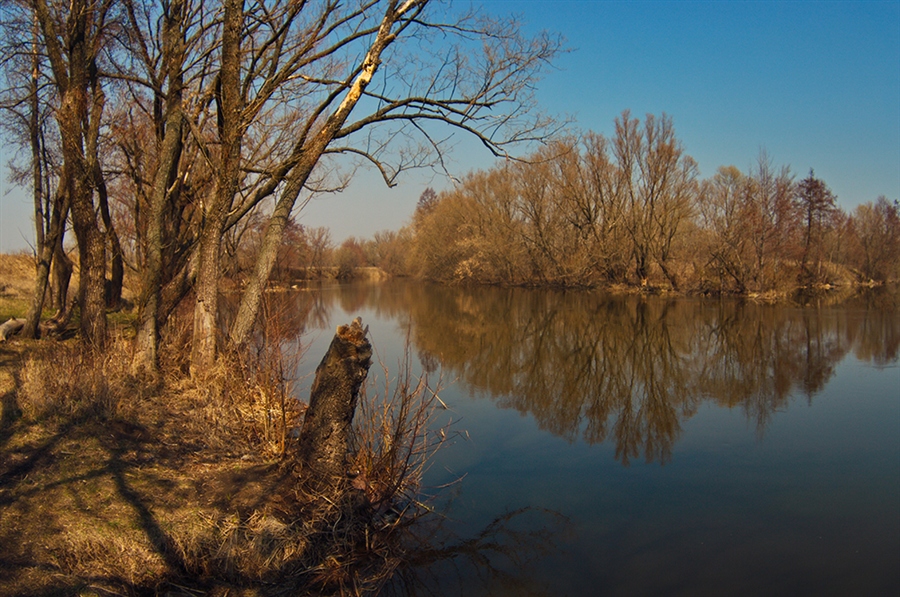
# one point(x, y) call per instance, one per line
point(324, 437)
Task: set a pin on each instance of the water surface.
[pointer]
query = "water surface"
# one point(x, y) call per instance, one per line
point(644, 445)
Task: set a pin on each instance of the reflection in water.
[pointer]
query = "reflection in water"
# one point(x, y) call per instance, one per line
point(494, 560)
point(630, 370)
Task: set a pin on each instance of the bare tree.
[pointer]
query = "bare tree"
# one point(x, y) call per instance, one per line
point(659, 183)
point(817, 204)
point(421, 84)
point(73, 37)
point(724, 209)
point(875, 244)
point(771, 221)
point(26, 105)
point(172, 59)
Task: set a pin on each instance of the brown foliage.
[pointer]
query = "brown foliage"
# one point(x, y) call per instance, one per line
point(875, 240)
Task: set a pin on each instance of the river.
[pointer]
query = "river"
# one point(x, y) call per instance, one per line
point(643, 445)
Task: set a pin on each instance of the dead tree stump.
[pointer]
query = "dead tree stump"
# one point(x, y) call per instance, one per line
point(324, 437)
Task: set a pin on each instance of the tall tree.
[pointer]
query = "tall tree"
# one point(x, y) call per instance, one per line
point(875, 241)
point(659, 182)
point(771, 220)
point(230, 106)
point(724, 208)
point(171, 131)
point(816, 203)
point(26, 101)
point(73, 37)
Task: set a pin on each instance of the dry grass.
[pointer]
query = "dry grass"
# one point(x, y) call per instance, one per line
point(114, 486)
point(109, 485)
point(16, 284)
point(65, 381)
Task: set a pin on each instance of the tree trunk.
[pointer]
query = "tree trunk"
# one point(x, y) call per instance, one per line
point(113, 286)
point(45, 249)
point(42, 277)
point(61, 276)
point(203, 344)
point(92, 276)
point(51, 258)
point(229, 105)
point(146, 357)
point(323, 443)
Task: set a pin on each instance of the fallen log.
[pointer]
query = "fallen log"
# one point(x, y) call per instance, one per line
point(12, 327)
point(324, 437)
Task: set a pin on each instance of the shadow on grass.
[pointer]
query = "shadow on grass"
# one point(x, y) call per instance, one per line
point(9, 413)
point(114, 475)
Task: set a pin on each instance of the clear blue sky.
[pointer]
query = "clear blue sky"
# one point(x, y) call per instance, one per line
point(815, 84)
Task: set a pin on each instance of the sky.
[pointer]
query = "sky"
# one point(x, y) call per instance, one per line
point(814, 84)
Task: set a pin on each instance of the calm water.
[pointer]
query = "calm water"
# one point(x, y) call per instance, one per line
point(644, 446)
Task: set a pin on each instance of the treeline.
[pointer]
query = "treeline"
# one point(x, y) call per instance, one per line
point(309, 253)
point(631, 210)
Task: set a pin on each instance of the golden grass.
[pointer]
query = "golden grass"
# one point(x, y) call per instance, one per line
point(16, 284)
point(65, 380)
point(116, 486)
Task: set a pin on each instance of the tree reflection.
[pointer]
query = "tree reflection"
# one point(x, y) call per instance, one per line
point(496, 559)
point(629, 370)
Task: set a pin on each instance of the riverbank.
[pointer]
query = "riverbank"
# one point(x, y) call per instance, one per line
point(112, 485)
point(109, 487)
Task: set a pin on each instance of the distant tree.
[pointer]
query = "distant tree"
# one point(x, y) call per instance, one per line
point(875, 240)
point(427, 201)
point(658, 181)
point(294, 253)
point(446, 236)
point(816, 205)
point(320, 246)
point(349, 256)
point(770, 222)
point(389, 249)
point(724, 208)
point(574, 213)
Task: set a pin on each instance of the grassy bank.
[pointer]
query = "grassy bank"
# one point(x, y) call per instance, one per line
point(110, 485)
